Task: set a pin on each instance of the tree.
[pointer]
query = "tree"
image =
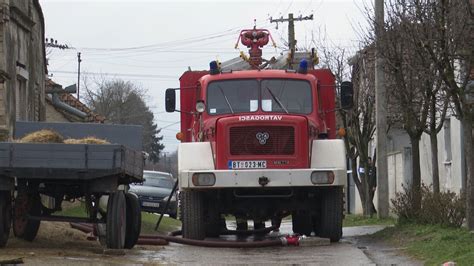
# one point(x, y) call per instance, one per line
point(360, 125)
point(122, 102)
point(444, 33)
point(358, 122)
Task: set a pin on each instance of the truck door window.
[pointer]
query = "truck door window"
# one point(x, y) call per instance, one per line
point(293, 96)
point(232, 96)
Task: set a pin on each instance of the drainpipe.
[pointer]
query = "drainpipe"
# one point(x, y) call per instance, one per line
point(58, 103)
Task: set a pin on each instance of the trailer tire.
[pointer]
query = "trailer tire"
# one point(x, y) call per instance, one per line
point(302, 223)
point(193, 215)
point(116, 220)
point(134, 220)
point(26, 204)
point(330, 225)
point(5, 217)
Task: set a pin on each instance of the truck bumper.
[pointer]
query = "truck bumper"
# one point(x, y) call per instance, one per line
point(250, 178)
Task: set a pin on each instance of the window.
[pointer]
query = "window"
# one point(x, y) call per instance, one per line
point(232, 96)
point(447, 140)
point(282, 95)
point(158, 180)
point(277, 95)
point(20, 100)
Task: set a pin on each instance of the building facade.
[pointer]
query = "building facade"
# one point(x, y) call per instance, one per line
point(22, 64)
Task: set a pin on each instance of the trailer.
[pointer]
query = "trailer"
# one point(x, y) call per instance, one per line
point(36, 178)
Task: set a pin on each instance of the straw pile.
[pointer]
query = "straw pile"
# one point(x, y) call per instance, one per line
point(42, 136)
point(86, 140)
point(51, 136)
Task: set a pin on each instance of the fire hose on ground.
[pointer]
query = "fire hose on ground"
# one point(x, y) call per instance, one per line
point(148, 239)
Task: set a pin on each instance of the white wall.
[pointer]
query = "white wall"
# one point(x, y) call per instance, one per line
point(399, 161)
point(450, 169)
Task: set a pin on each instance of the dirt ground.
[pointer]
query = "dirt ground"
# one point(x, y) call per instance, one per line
point(58, 244)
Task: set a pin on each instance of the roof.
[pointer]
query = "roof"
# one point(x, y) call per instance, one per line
point(72, 101)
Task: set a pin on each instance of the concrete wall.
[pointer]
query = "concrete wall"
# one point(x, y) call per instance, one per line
point(53, 115)
point(22, 59)
point(450, 158)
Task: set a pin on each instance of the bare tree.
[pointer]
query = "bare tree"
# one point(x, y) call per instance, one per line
point(358, 122)
point(444, 32)
point(438, 107)
point(122, 102)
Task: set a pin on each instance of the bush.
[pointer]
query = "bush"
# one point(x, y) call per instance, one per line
point(444, 208)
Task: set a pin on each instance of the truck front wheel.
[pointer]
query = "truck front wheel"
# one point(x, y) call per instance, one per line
point(193, 215)
point(330, 225)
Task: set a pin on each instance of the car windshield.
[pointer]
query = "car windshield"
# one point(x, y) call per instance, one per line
point(154, 180)
point(247, 95)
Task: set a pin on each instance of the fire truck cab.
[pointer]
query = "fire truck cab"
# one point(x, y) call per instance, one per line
point(260, 145)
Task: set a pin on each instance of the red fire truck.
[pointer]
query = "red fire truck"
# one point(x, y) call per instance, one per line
point(260, 145)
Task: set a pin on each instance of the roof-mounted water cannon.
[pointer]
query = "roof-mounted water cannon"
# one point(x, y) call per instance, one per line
point(255, 39)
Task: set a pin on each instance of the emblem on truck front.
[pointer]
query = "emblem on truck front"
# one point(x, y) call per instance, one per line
point(262, 137)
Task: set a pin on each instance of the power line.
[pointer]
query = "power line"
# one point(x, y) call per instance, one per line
point(120, 74)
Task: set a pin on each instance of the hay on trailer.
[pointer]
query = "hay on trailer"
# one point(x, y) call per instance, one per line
point(86, 140)
point(42, 136)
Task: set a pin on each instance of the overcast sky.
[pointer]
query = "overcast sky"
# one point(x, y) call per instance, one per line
point(153, 42)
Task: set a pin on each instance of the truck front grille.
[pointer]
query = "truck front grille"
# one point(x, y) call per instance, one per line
point(262, 140)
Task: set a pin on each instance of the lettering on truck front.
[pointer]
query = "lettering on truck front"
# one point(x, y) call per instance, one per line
point(260, 117)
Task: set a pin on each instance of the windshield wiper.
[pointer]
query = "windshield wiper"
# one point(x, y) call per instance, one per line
point(277, 100)
point(227, 100)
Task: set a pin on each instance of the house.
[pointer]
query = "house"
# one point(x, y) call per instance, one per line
point(22, 64)
point(62, 106)
point(450, 150)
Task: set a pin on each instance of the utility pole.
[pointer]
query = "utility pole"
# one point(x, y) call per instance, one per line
point(291, 29)
point(381, 115)
point(78, 72)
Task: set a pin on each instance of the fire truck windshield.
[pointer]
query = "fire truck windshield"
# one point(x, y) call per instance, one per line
point(250, 95)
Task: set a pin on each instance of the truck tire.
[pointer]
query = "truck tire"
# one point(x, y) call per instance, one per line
point(302, 224)
point(134, 220)
point(193, 215)
point(5, 217)
point(116, 220)
point(330, 223)
point(26, 204)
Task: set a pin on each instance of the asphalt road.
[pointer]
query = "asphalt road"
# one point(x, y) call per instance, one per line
point(57, 244)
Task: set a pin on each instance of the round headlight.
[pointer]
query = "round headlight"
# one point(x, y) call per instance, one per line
point(200, 107)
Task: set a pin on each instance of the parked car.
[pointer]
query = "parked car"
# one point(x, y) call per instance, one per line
point(153, 193)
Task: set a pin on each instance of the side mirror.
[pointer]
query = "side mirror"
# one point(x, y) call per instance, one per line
point(170, 100)
point(347, 92)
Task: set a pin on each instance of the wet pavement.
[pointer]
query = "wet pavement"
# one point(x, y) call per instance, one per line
point(351, 250)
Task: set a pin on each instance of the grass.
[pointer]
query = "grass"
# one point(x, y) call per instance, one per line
point(148, 220)
point(359, 220)
point(433, 244)
point(167, 224)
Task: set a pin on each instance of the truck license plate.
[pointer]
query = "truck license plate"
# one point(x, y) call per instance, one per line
point(151, 204)
point(247, 164)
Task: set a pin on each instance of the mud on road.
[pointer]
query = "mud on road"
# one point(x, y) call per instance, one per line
point(58, 244)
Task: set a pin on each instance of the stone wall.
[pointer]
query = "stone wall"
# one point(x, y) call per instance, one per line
point(22, 60)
